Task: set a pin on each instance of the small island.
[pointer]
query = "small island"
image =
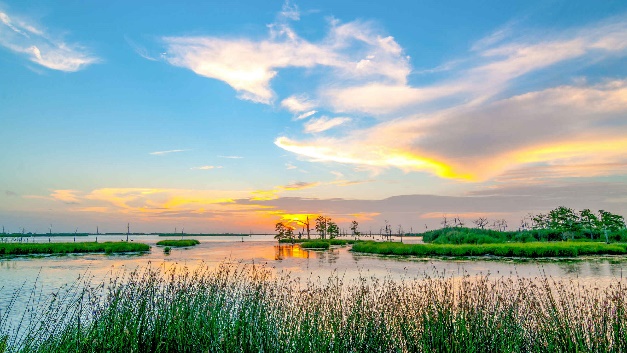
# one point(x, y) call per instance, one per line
point(71, 248)
point(179, 243)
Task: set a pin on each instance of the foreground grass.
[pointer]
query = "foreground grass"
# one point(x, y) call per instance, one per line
point(178, 243)
point(68, 248)
point(530, 250)
point(248, 309)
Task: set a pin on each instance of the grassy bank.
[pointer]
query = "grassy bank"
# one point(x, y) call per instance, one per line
point(203, 235)
point(178, 243)
point(463, 235)
point(247, 309)
point(69, 248)
point(530, 250)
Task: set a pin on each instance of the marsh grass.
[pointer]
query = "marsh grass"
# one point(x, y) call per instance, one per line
point(527, 250)
point(178, 243)
point(237, 308)
point(69, 248)
point(315, 244)
point(330, 241)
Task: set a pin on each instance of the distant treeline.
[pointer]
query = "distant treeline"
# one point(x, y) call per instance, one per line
point(23, 235)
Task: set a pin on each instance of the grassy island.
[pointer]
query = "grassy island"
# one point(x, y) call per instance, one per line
point(70, 248)
point(179, 243)
point(529, 250)
point(315, 244)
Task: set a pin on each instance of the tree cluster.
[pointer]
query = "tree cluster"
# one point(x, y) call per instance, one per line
point(568, 220)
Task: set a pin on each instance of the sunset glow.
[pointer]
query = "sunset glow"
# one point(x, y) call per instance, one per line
point(231, 117)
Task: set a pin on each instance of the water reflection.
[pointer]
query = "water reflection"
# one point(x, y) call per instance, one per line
point(282, 252)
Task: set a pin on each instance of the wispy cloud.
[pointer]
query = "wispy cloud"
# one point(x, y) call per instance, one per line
point(305, 115)
point(231, 157)
point(161, 153)
point(43, 48)
point(67, 196)
point(353, 50)
point(207, 167)
point(323, 124)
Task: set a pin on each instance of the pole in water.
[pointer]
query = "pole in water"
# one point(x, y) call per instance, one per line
point(128, 230)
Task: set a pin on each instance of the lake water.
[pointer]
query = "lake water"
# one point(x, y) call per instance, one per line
point(48, 273)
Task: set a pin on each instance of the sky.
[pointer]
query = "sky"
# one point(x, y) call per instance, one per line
point(232, 116)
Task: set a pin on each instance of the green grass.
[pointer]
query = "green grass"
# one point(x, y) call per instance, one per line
point(330, 241)
point(69, 248)
point(463, 235)
point(203, 234)
point(178, 243)
point(527, 250)
point(315, 244)
point(251, 309)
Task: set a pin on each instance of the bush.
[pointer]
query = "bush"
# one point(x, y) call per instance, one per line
point(179, 243)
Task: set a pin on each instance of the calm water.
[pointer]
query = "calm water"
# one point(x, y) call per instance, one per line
point(48, 273)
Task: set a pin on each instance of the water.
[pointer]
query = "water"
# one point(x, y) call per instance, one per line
point(48, 273)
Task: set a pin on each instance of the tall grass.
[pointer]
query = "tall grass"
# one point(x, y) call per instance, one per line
point(178, 243)
point(68, 248)
point(531, 250)
point(315, 244)
point(247, 309)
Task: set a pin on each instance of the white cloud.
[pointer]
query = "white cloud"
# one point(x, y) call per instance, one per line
point(161, 153)
point(324, 123)
point(297, 104)
point(354, 52)
point(305, 115)
point(40, 47)
point(231, 157)
point(207, 167)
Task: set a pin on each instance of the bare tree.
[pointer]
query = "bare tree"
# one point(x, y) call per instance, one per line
point(481, 222)
point(445, 222)
point(458, 222)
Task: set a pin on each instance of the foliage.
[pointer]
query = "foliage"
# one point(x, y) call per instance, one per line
point(69, 248)
point(315, 244)
point(527, 250)
point(284, 232)
point(250, 309)
point(178, 243)
point(355, 228)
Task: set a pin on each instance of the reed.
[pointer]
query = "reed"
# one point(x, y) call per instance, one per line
point(237, 308)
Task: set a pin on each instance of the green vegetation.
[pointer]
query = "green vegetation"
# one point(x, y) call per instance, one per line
point(315, 244)
point(463, 235)
point(330, 241)
point(250, 309)
point(530, 250)
point(69, 248)
point(178, 243)
point(167, 250)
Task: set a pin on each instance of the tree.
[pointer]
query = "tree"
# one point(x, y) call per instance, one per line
point(540, 221)
point(611, 222)
point(481, 222)
point(332, 229)
point(458, 222)
point(354, 226)
point(306, 227)
point(445, 222)
point(321, 226)
point(589, 222)
point(564, 219)
point(281, 230)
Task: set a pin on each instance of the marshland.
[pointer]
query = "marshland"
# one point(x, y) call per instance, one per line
point(452, 289)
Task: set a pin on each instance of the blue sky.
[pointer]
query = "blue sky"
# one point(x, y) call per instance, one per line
point(230, 116)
